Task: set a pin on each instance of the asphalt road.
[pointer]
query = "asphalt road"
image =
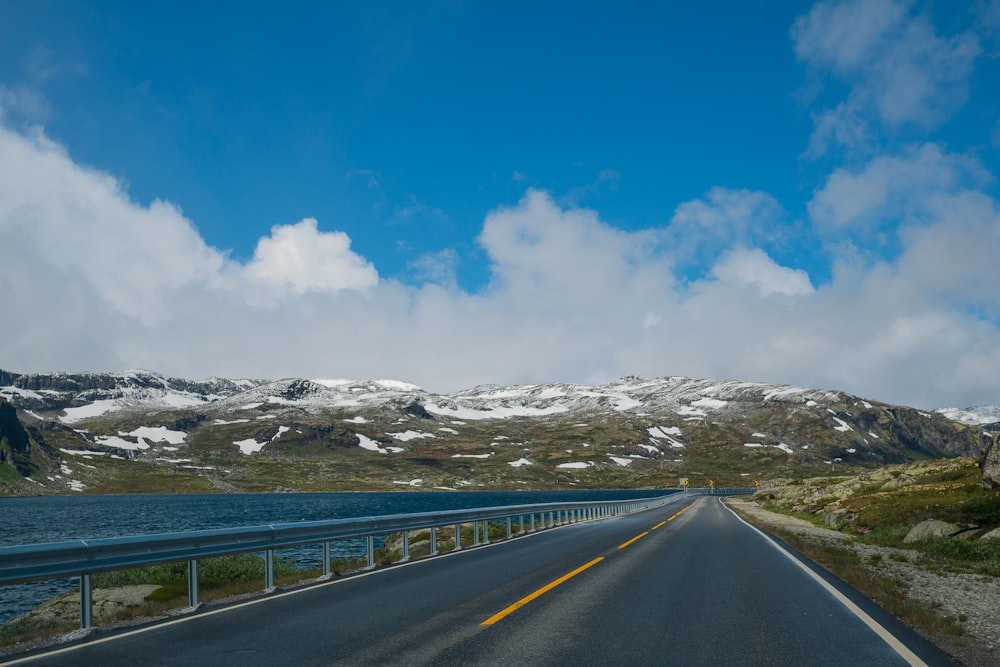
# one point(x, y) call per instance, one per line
point(685, 584)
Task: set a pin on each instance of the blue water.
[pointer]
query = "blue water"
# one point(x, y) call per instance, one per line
point(58, 518)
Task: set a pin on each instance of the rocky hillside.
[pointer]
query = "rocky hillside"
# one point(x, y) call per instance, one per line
point(141, 432)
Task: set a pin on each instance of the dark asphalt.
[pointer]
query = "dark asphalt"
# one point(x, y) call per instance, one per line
point(702, 589)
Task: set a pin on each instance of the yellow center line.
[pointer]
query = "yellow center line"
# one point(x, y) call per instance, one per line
point(682, 511)
point(548, 587)
point(622, 546)
point(544, 589)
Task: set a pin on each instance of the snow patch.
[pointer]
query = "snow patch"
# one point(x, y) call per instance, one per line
point(520, 462)
point(95, 409)
point(843, 426)
point(623, 462)
point(158, 434)
point(114, 441)
point(577, 465)
point(752, 444)
point(81, 452)
point(250, 446)
point(501, 412)
point(367, 443)
point(663, 432)
point(472, 456)
point(406, 436)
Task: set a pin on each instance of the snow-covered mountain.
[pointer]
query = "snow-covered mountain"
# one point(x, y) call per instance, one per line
point(331, 434)
point(985, 416)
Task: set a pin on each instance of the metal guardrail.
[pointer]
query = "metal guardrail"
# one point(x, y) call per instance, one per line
point(84, 558)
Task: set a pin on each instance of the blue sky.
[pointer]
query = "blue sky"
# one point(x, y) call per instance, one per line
point(461, 193)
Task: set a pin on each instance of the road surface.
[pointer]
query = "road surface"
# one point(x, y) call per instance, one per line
point(686, 584)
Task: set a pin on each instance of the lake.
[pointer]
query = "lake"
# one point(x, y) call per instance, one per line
point(39, 519)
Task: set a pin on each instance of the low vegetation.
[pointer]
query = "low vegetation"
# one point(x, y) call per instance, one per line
point(922, 579)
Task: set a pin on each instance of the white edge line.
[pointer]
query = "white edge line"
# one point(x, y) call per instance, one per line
point(898, 646)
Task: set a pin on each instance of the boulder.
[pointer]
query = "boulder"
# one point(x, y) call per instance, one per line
point(992, 535)
point(989, 463)
point(931, 528)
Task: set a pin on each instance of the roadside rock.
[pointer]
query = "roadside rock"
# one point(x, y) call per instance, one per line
point(108, 602)
point(931, 528)
point(992, 535)
point(989, 463)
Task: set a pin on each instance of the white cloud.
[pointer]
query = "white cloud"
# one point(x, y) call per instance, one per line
point(24, 102)
point(701, 229)
point(889, 188)
point(79, 221)
point(436, 267)
point(899, 70)
point(299, 258)
point(742, 267)
point(92, 280)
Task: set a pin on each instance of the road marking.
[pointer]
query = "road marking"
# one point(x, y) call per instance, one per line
point(682, 511)
point(622, 546)
point(895, 644)
point(264, 599)
point(662, 523)
point(541, 591)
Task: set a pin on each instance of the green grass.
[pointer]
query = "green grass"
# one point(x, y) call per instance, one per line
point(949, 554)
point(217, 577)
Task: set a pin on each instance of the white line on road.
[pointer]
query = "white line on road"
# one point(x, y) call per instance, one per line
point(899, 647)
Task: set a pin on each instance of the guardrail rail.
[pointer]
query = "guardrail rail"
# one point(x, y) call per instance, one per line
point(84, 558)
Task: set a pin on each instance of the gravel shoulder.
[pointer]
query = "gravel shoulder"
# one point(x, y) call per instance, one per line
point(974, 600)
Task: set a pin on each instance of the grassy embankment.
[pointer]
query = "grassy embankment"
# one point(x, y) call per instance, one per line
point(879, 509)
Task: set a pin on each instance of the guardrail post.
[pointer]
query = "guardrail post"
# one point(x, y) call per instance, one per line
point(434, 540)
point(406, 545)
point(520, 531)
point(510, 527)
point(371, 552)
point(327, 570)
point(486, 531)
point(268, 570)
point(475, 533)
point(458, 537)
point(86, 602)
point(193, 583)
point(531, 528)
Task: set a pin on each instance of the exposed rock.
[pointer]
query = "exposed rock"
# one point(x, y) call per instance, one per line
point(992, 535)
point(836, 519)
point(931, 528)
point(418, 410)
point(989, 463)
point(107, 604)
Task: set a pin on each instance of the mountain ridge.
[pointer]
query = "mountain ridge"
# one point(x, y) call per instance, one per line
point(295, 433)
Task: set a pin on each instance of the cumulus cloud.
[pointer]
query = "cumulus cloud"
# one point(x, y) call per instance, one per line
point(899, 70)
point(702, 229)
point(889, 188)
point(79, 220)
point(299, 258)
point(742, 267)
point(90, 279)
